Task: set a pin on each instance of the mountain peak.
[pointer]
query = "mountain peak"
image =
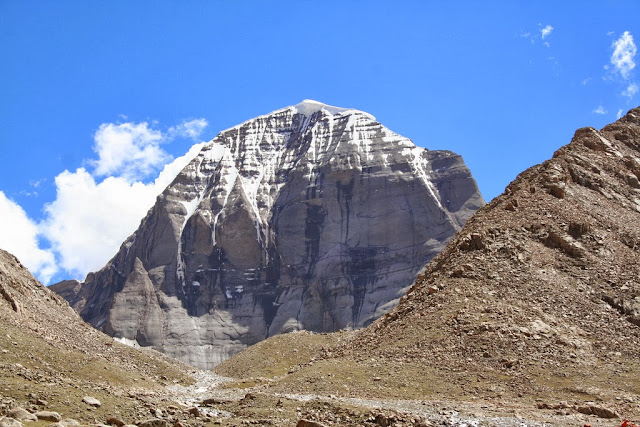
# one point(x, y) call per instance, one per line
point(310, 217)
point(309, 107)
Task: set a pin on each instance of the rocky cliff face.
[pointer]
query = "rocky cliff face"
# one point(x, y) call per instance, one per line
point(311, 217)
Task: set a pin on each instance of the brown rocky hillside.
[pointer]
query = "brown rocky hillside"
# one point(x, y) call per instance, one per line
point(50, 359)
point(540, 292)
point(534, 304)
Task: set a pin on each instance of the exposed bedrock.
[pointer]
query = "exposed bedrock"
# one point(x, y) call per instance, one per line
point(311, 217)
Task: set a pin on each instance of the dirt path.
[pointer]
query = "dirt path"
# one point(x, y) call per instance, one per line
point(208, 385)
point(439, 413)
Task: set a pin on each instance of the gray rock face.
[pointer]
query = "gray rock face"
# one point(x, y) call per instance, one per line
point(311, 217)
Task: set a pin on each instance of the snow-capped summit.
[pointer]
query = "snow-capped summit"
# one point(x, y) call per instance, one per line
point(310, 217)
point(308, 107)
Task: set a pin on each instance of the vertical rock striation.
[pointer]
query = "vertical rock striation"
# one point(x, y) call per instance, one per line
point(310, 217)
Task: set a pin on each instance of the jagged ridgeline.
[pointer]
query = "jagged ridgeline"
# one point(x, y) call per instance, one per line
point(310, 217)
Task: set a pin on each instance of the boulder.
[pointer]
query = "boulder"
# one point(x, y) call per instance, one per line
point(21, 414)
point(54, 417)
point(91, 401)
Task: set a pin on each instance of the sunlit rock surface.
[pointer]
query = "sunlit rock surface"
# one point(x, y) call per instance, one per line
point(310, 217)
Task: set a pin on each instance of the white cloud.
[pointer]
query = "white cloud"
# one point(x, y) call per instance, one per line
point(89, 220)
point(619, 113)
point(631, 90)
point(37, 183)
point(95, 211)
point(191, 129)
point(133, 150)
point(129, 150)
point(586, 81)
point(534, 37)
point(624, 50)
point(19, 235)
point(600, 110)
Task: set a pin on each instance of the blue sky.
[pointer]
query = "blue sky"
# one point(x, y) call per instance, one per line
point(87, 86)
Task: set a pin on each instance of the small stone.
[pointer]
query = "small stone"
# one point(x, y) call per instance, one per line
point(9, 422)
point(384, 420)
point(115, 422)
point(69, 422)
point(92, 401)
point(511, 205)
point(21, 414)
point(54, 417)
point(194, 411)
point(308, 423)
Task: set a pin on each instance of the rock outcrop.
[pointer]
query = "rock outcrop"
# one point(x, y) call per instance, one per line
point(311, 217)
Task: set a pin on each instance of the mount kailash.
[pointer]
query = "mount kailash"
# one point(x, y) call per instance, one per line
point(310, 217)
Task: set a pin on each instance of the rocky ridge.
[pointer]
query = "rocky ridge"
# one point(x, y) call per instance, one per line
point(55, 370)
point(534, 304)
point(545, 276)
point(50, 359)
point(311, 217)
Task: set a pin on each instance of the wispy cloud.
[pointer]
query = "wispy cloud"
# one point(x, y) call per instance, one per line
point(36, 183)
point(631, 90)
point(541, 36)
point(620, 68)
point(624, 51)
point(546, 31)
point(619, 114)
point(600, 110)
point(191, 129)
